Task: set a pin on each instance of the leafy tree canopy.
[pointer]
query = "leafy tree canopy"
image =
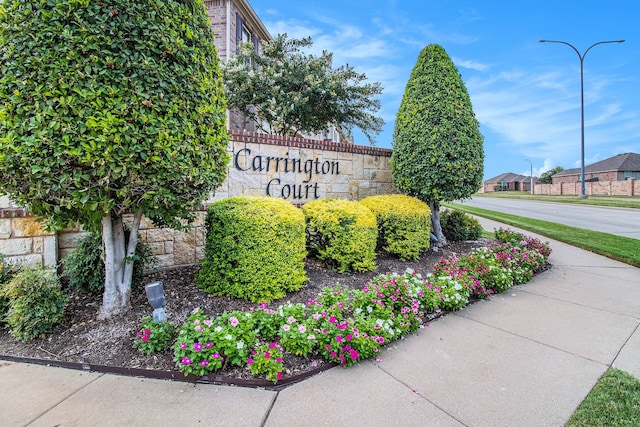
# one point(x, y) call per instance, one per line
point(437, 145)
point(109, 107)
point(547, 177)
point(288, 92)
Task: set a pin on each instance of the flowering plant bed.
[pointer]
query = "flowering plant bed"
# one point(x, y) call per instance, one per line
point(334, 319)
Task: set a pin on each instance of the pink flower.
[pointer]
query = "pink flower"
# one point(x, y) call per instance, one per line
point(267, 355)
point(291, 319)
point(186, 361)
point(328, 347)
point(354, 354)
point(249, 361)
point(183, 345)
point(339, 338)
point(147, 332)
point(208, 345)
point(302, 329)
point(279, 360)
point(234, 321)
point(332, 319)
point(287, 328)
point(349, 337)
point(279, 376)
point(197, 346)
point(145, 338)
point(273, 345)
point(204, 362)
point(216, 355)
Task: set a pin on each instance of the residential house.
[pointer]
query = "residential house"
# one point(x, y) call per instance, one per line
point(508, 182)
point(617, 168)
point(235, 22)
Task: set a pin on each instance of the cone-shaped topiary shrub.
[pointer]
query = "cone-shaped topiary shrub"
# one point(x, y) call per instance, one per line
point(342, 233)
point(255, 249)
point(404, 224)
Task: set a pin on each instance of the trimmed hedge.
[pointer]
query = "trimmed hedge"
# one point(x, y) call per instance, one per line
point(457, 225)
point(404, 224)
point(254, 249)
point(342, 233)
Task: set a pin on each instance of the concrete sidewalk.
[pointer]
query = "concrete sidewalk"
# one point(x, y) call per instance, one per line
point(527, 357)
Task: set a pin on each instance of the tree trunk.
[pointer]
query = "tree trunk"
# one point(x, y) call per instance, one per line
point(436, 228)
point(118, 264)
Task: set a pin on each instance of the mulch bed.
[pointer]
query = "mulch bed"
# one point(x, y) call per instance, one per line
point(84, 342)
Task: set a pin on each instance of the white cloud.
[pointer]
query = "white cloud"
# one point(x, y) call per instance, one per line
point(472, 65)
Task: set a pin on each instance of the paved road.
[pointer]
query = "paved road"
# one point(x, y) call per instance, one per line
point(618, 221)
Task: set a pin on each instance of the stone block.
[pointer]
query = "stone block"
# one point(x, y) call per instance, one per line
point(50, 251)
point(200, 235)
point(158, 248)
point(31, 260)
point(13, 247)
point(28, 227)
point(38, 245)
point(165, 260)
point(199, 254)
point(168, 247)
point(184, 254)
point(69, 240)
point(159, 235)
point(5, 228)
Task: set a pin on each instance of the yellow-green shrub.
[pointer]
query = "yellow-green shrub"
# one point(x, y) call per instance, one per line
point(404, 224)
point(342, 233)
point(254, 249)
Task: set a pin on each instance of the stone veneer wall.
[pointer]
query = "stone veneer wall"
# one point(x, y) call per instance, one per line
point(282, 165)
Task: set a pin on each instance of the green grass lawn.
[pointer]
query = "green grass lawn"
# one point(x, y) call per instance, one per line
point(616, 202)
point(624, 249)
point(613, 401)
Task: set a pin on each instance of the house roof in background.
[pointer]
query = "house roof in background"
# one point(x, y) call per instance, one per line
point(622, 162)
point(511, 177)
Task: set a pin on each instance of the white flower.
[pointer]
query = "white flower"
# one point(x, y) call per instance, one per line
point(228, 337)
point(240, 345)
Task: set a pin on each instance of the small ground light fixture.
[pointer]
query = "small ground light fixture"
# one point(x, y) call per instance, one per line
point(155, 295)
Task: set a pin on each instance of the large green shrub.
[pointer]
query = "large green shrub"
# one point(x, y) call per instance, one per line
point(342, 233)
point(84, 267)
point(404, 224)
point(36, 303)
point(457, 225)
point(437, 144)
point(255, 249)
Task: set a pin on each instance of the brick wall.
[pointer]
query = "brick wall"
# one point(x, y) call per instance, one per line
point(629, 187)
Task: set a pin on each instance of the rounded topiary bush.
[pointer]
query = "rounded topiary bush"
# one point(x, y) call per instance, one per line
point(457, 225)
point(404, 224)
point(254, 249)
point(36, 303)
point(342, 233)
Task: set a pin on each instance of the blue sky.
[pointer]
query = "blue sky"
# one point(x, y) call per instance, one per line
point(525, 94)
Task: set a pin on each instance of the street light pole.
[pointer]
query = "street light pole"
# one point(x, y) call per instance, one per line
point(583, 194)
point(531, 174)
